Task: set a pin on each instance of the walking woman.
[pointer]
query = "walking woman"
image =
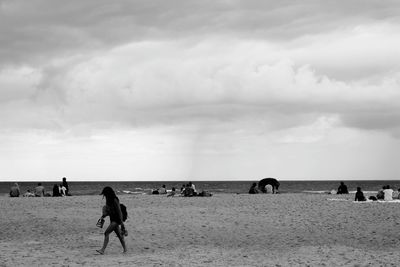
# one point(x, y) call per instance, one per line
point(113, 210)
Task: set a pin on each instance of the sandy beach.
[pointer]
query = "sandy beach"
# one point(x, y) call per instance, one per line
point(222, 230)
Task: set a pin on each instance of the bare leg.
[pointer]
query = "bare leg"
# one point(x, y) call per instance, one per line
point(107, 233)
point(121, 238)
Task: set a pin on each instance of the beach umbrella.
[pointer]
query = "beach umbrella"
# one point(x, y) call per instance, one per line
point(271, 181)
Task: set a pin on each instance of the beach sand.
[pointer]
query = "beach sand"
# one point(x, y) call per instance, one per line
point(222, 230)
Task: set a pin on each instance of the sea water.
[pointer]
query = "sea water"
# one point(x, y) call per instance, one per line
point(215, 187)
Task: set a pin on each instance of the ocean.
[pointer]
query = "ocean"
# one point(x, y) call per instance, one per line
point(215, 187)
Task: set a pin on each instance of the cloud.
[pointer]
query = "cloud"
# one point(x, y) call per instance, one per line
point(151, 83)
point(194, 82)
point(36, 31)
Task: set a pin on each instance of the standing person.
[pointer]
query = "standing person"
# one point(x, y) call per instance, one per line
point(388, 193)
point(39, 190)
point(342, 189)
point(112, 209)
point(14, 191)
point(359, 195)
point(65, 184)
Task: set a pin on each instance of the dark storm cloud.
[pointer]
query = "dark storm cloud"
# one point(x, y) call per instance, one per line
point(37, 29)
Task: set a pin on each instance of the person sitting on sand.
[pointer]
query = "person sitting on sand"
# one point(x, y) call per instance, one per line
point(253, 189)
point(188, 191)
point(56, 191)
point(162, 190)
point(193, 187)
point(63, 190)
point(183, 188)
point(342, 189)
point(14, 191)
point(28, 193)
point(39, 190)
point(359, 195)
point(395, 194)
point(172, 193)
point(381, 195)
point(269, 189)
point(112, 209)
point(388, 193)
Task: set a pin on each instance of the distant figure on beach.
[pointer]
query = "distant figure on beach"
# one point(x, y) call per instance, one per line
point(183, 188)
point(162, 190)
point(112, 209)
point(269, 189)
point(14, 191)
point(56, 191)
point(65, 184)
point(172, 193)
point(188, 191)
point(193, 187)
point(39, 190)
point(359, 195)
point(396, 194)
point(388, 193)
point(381, 195)
point(63, 190)
point(253, 189)
point(28, 193)
point(342, 189)
point(271, 181)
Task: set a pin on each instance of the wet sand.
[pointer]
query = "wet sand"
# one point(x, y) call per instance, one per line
point(222, 230)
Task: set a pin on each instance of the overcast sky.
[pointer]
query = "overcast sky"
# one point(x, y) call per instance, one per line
point(199, 90)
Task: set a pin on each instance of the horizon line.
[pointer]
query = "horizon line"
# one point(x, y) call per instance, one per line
point(223, 180)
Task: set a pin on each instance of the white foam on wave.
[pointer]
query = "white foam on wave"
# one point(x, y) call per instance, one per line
point(316, 192)
point(132, 192)
point(336, 199)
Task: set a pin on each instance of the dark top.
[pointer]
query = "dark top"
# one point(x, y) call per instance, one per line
point(342, 189)
point(380, 194)
point(359, 196)
point(56, 191)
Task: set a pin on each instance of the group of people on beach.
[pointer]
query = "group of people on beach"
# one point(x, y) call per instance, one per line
point(187, 190)
point(266, 185)
point(40, 191)
point(61, 190)
point(386, 193)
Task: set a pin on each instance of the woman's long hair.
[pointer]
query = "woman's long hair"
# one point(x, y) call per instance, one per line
point(110, 195)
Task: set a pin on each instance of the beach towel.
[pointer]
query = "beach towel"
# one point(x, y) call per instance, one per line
point(379, 201)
